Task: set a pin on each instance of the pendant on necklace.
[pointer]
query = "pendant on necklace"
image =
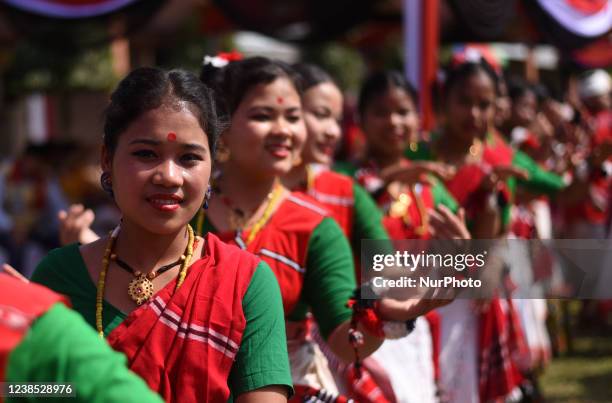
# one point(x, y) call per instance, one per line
point(140, 289)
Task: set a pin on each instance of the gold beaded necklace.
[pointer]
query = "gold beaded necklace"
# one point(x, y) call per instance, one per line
point(272, 202)
point(310, 178)
point(141, 282)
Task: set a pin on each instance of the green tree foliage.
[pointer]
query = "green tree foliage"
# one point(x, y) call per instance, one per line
point(345, 64)
point(36, 67)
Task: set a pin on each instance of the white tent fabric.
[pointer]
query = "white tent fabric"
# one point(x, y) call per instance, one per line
point(580, 22)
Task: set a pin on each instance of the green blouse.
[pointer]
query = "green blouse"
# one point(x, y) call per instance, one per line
point(329, 280)
point(262, 357)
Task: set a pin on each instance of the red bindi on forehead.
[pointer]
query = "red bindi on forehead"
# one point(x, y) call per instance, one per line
point(280, 100)
point(171, 136)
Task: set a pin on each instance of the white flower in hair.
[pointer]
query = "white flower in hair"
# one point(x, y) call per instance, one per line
point(215, 61)
point(473, 55)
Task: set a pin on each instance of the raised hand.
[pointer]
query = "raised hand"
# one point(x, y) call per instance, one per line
point(446, 225)
point(75, 225)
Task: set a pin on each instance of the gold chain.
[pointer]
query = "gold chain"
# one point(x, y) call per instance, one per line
point(310, 178)
point(106, 263)
point(273, 200)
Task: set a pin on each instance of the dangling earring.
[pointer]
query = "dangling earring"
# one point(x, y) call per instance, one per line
point(222, 153)
point(106, 181)
point(201, 214)
point(207, 197)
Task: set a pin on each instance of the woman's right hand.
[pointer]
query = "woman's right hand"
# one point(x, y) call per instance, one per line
point(75, 225)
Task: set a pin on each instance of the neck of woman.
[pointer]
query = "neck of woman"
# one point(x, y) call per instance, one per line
point(247, 192)
point(297, 177)
point(147, 251)
point(453, 146)
point(383, 160)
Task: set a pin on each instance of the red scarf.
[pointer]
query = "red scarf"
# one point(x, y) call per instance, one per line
point(517, 343)
point(498, 375)
point(435, 327)
point(184, 344)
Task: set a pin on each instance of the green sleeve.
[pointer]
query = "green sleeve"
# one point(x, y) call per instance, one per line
point(345, 167)
point(540, 180)
point(367, 220)
point(262, 359)
point(442, 196)
point(330, 276)
point(63, 270)
point(60, 347)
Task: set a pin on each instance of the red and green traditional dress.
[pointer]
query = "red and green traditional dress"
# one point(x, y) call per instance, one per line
point(221, 332)
point(464, 186)
point(347, 202)
point(495, 375)
point(589, 217)
point(313, 264)
point(359, 218)
point(405, 209)
point(405, 217)
point(41, 340)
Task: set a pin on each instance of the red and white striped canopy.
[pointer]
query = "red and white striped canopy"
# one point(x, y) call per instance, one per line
point(70, 8)
point(586, 18)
